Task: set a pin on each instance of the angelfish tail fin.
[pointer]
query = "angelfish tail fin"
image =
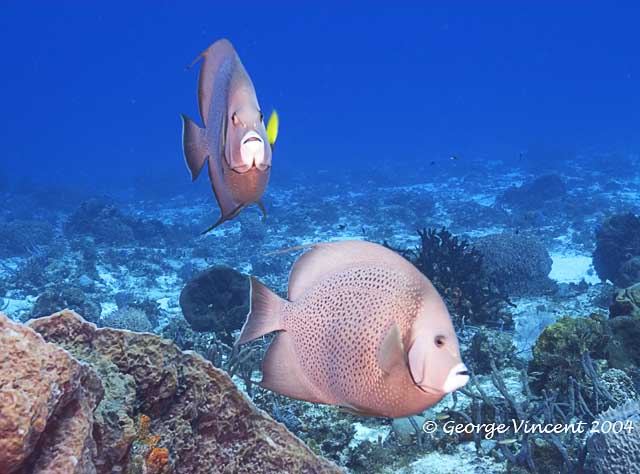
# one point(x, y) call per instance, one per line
point(194, 146)
point(265, 313)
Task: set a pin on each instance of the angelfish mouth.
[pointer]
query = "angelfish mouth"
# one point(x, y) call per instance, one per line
point(458, 377)
point(251, 137)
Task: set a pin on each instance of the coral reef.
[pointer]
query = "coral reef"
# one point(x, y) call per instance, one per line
point(619, 385)
point(524, 451)
point(519, 265)
point(129, 318)
point(623, 348)
point(486, 345)
point(615, 447)
point(558, 351)
point(24, 237)
point(626, 302)
point(162, 410)
point(216, 299)
point(73, 298)
point(106, 224)
point(47, 399)
point(617, 244)
point(456, 270)
point(630, 271)
point(535, 194)
point(103, 222)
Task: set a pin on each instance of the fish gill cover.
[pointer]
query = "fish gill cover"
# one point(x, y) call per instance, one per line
point(493, 147)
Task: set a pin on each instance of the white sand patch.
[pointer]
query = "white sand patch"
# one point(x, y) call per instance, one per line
point(108, 307)
point(366, 433)
point(15, 307)
point(109, 280)
point(464, 461)
point(487, 200)
point(572, 268)
point(164, 303)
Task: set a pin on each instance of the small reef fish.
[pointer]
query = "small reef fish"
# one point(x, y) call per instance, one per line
point(233, 140)
point(362, 329)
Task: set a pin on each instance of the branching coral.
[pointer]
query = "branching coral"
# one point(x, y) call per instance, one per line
point(535, 451)
point(455, 269)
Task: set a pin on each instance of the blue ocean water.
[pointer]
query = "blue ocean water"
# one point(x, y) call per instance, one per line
point(509, 132)
point(92, 93)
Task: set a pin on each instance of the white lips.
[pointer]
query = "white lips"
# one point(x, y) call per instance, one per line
point(251, 135)
point(457, 378)
point(252, 150)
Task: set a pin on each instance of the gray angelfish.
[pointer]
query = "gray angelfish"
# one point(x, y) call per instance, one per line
point(234, 139)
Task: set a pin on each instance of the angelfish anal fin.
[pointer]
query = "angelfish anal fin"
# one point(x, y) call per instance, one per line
point(391, 354)
point(263, 209)
point(282, 372)
point(223, 218)
point(357, 412)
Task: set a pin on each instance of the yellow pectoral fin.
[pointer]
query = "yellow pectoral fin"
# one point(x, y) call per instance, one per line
point(272, 127)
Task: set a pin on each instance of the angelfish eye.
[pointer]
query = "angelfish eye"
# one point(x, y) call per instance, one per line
point(439, 341)
point(261, 116)
point(235, 119)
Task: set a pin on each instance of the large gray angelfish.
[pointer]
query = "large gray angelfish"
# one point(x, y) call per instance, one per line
point(234, 139)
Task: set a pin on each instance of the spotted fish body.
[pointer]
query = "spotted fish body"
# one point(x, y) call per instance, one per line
point(356, 311)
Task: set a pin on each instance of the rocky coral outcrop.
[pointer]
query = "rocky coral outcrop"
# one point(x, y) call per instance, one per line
point(626, 302)
point(519, 265)
point(617, 249)
point(535, 194)
point(52, 299)
point(557, 353)
point(616, 451)
point(161, 410)
point(489, 345)
point(23, 237)
point(106, 224)
point(47, 399)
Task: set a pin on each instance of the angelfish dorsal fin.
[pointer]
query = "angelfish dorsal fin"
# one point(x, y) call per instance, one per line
point(330, 257)
point(391, 354)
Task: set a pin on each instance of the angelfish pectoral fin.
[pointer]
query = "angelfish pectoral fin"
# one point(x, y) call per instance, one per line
point(391, 354)
point(273, 125)
point(194, 146)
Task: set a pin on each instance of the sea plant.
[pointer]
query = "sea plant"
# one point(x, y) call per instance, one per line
point(456, 270)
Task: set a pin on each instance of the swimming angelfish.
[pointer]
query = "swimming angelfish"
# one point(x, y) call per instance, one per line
point(362, 328)
point(234, 139)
